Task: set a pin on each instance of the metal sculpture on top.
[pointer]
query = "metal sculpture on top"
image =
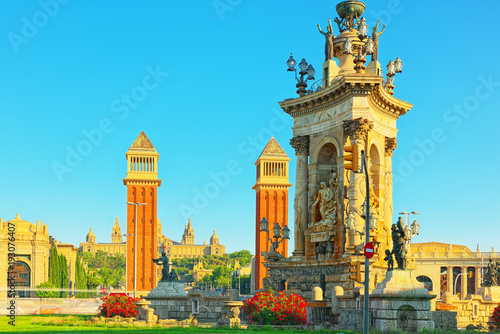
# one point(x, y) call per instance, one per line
point(350, 14)
point(329, 37)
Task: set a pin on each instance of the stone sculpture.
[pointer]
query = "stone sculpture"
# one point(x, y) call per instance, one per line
point(389, 259)
point(327, 201)
point(375, 36)
point(398, 244)
point(166, 275)
point(329, 37)
point(492, 274)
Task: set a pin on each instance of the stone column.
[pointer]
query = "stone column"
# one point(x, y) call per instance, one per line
point(390, 146)
point(449, 279)
point(357, 130)
point(477, 279)
point(300, 205)
point(463, 278)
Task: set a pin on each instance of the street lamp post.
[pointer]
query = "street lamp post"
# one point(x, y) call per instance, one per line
point(408, 215)
point(277, 234)
point(135, 243)
point(304, 69)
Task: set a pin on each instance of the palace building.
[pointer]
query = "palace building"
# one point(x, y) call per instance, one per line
point(117, 245)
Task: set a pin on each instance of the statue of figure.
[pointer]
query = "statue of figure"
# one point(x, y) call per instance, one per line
point(327, 201)
point(163, 261)
point(348, 45)
point(398, 244)
point(389, 259)
point(375, 36)
point(374, 203)
point(492, 273)
point(362, 27)
point(415, 228)
point(329, 37)
point(324, 196)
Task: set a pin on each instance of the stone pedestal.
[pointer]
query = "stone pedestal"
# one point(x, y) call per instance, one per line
point(167, 289)
point(401, 303)
point(231, 314)
point(144, 313)
point(489, 293)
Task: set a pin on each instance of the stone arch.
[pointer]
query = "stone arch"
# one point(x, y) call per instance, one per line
point(22, 276)
point(321, 145)
point(426, 280)
point(407, 319)
point(324, 158)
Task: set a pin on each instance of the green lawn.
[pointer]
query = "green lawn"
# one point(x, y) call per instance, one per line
point(81, 324)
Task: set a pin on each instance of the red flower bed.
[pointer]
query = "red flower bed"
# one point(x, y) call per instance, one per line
point(118, 304)
point(495, 317)
point(266, 308)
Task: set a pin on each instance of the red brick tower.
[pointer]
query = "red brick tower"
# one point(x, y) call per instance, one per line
point(271, 202)
point(142, 183)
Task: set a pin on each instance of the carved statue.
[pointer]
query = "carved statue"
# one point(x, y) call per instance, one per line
point(415, 228)
point(374, 204)
point(348, 45)
point(375, 36)
point(329, 37)
point(163, 261)
point(492, 274)
point(398, 244)
point(166, 276)
point(362, 27)
point(389, 259)
point(327, 201)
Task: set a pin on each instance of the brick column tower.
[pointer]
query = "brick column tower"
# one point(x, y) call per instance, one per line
point(271, 202)
point(142, 183)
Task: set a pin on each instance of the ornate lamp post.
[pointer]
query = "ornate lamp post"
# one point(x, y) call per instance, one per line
point(135, 243)
point(392, 69)
point(277, 234)
point(408, 215)
point(304, 69)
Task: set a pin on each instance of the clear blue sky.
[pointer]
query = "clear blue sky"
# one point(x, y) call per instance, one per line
point(70, 72)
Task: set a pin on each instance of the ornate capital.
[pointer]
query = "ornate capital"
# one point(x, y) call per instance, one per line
point(358, 128)
point(390, 146)
point(300, 144)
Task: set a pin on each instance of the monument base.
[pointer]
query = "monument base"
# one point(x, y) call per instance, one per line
point(401, 303)
point(167, 289)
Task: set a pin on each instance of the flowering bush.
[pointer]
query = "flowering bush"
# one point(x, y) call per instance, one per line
point(118, 304)
point(266, 308)
point(495, 317)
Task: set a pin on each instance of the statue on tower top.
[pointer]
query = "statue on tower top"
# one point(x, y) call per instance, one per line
point(349, 12)
point(329, 37)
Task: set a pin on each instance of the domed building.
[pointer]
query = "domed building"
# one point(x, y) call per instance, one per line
point(187, 248)
point(117, 245)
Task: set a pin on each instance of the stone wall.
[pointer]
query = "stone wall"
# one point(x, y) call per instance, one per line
point(302, 277)
point(444, 320)
point(205, 305)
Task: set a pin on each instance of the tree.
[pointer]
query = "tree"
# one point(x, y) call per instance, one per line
point(81, 277)
point(222, 275)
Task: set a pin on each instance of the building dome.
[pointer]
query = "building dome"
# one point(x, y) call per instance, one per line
point(91, 236)
point(214, 239)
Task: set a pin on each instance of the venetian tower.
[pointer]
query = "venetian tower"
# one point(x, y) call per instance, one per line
point(271, 190)
point(116, 233)
point(353, 106)
point(142, 183)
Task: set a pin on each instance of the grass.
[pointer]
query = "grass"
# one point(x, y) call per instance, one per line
point(82, 324)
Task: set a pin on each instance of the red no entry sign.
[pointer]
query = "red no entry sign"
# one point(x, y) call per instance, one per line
point(369, 250)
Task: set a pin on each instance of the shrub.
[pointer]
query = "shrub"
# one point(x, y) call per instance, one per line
point(266, 308)
point(118, 304)
point(495, 317)
point(41, 293)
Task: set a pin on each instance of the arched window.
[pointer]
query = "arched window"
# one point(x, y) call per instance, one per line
point(427, 282)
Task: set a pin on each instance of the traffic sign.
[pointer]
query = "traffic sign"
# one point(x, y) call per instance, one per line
point(369, 250)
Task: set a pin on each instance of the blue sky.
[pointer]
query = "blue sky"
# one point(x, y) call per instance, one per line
point(217, 70)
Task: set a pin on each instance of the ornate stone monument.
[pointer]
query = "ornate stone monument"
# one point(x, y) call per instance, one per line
point(351, 109)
